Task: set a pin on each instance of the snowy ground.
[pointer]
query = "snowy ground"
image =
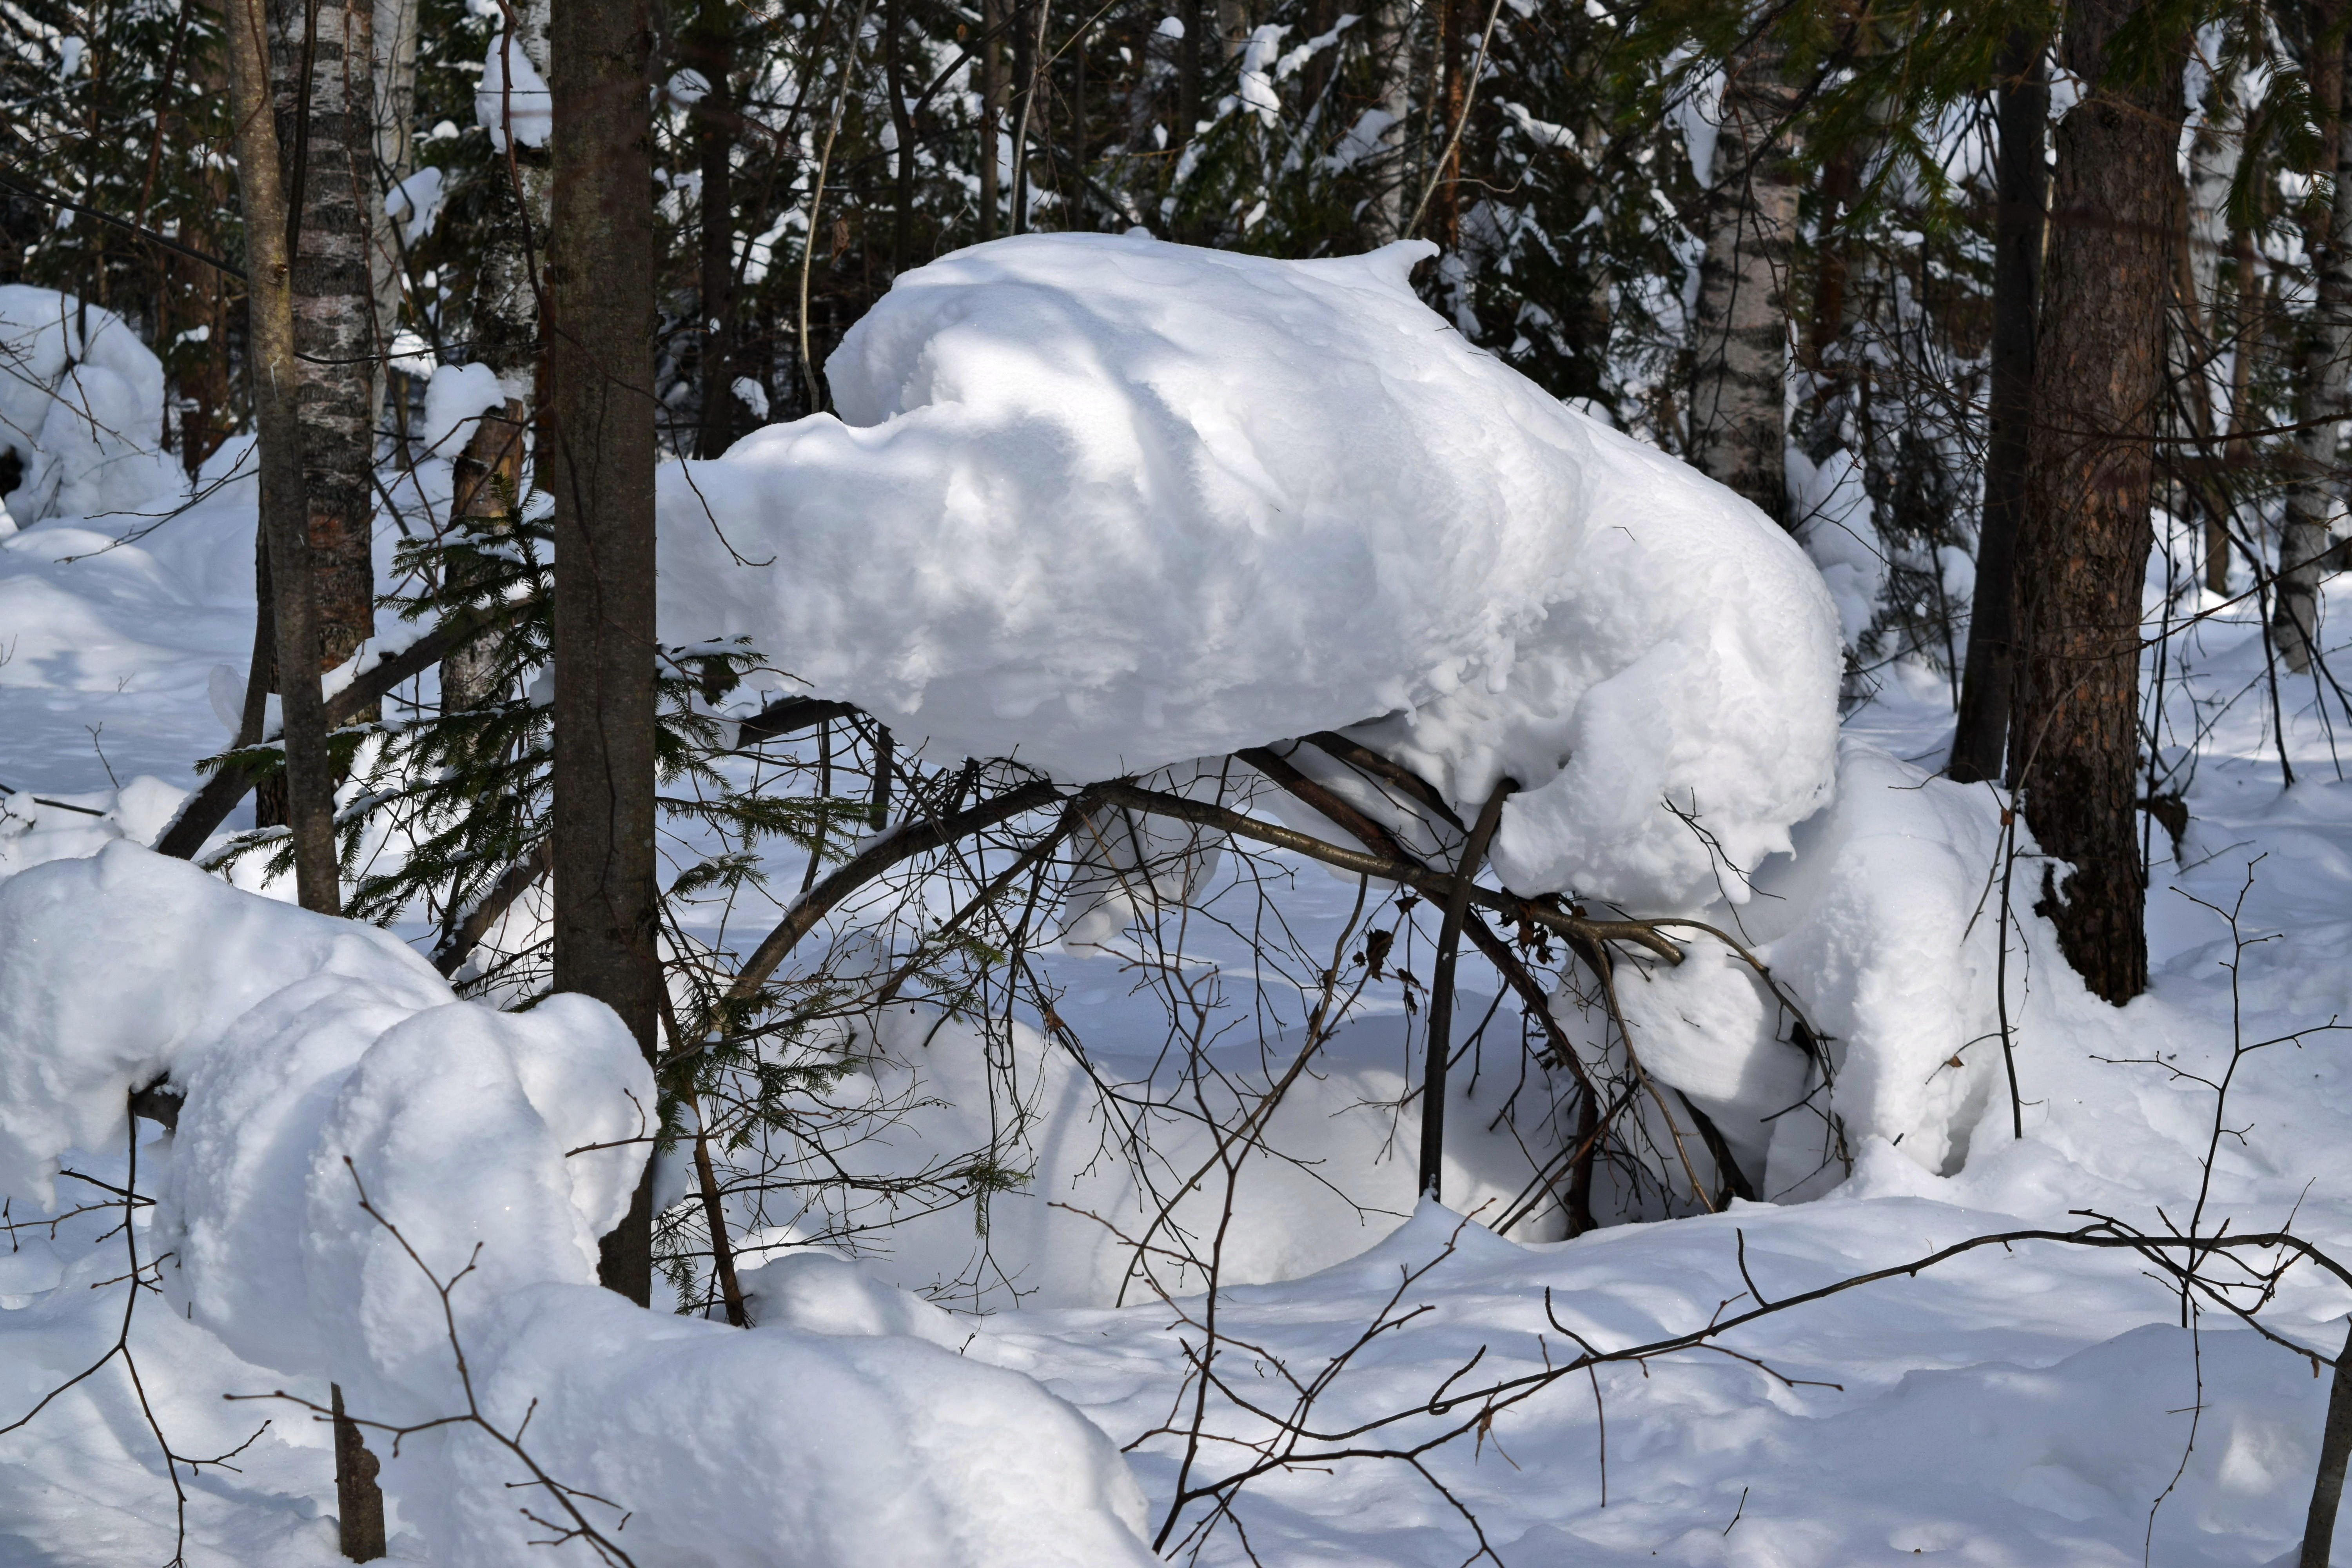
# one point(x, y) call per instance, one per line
point(2024, 1409)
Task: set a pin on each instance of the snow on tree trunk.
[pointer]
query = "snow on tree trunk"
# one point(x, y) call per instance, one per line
point(2084, 538)
point(2322, 362)
point(1740, 337)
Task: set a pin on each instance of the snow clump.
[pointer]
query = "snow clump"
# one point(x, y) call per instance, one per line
point(1106, 503)
point(82, 411)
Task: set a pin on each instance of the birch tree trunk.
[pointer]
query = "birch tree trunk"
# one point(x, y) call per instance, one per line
point(599, 466)
point(1980, 736)
point(2322, 359)
point(487, 478)
point(2085, 535)
point(394, 39)
point(329, 122)
point(277, 409)
point(1740, 337)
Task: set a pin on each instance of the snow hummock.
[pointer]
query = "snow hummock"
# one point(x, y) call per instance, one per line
point(321, 1058)
point(1106, 503)
point(81, 408)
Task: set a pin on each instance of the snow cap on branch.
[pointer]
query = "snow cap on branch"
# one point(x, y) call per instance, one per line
point(1106, 503)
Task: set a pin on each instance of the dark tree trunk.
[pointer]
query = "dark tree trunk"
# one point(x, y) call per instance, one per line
point(599, 466)
point(992, 20)
point(1189, 72)
point(359, 1497)
point(902, 125)
point(1024, 74)
point(710, 49)
point(2084, 536)
point(1980, 738)
point(1445, 201)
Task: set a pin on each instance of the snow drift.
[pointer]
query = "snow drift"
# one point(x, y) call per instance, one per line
point(1106, 503)
point(81, 410)
point(317, 1056)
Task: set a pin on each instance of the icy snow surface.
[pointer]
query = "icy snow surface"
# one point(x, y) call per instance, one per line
point(1108, 503)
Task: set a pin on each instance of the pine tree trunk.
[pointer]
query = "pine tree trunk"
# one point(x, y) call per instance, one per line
point(331, 125)
point(1739, 338)
point(2084, 537)
point(1980, 738)
point(710, 49)
point(994, 14)
point(902, 125)
point(2322, 359)
point(599, 466)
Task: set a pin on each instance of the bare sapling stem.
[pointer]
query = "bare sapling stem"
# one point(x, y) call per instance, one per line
point(1441, 998)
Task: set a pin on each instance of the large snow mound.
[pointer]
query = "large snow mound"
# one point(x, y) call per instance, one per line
point(1107, 503)
point(320, 1058)
point(82, 411)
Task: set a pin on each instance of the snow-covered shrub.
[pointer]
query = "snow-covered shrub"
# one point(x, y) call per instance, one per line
point(82, 411)
point(1104, 504)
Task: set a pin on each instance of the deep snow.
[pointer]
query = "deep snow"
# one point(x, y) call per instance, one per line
point(2026, 1408)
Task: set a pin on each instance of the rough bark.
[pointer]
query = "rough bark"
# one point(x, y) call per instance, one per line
point(1981, 739)
point(1740, 337)
point(359, 1498)
point(599, 466)
point(487, 478)
point(2084, 536)
point(2322, 358)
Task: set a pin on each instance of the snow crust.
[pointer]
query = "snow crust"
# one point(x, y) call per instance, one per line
point(81, 407)
point(321, 1058)
point(1107, 503)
